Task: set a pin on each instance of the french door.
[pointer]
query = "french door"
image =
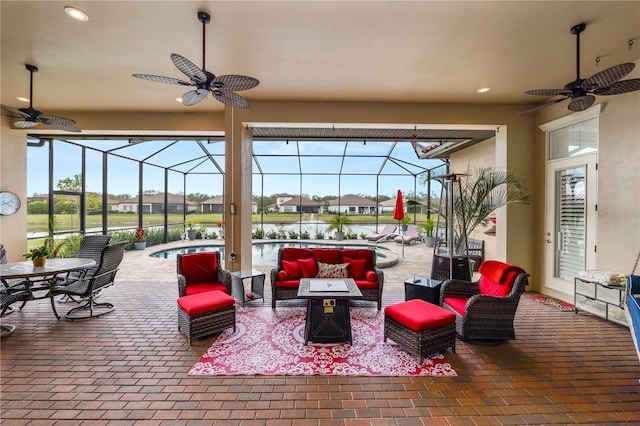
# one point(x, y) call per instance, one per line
point(570, 220)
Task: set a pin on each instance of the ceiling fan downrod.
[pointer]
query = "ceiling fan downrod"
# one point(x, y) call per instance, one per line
point(576, 30)
point(32, 69)
point(205, 18)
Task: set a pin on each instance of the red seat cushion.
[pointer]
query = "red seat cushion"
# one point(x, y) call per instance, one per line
point(199, 268)
point(202, 287)
point(205, 302)
point(497, 278)
point(328, 255)
point(419, 315)
point(288, 283)
point(457, 303)
point(366, 284)
point(295, 253)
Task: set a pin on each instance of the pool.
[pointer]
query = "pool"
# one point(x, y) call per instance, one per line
point(266, 253)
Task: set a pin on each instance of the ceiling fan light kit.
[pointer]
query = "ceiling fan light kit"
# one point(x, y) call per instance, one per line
point(581, 91)
point(31, 117)
point(222, 88)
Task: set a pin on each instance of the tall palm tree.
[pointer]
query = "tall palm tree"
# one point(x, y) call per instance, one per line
point(484, 191)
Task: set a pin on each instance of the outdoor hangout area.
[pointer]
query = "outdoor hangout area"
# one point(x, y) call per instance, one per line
point(319, 213)
point(137, 360)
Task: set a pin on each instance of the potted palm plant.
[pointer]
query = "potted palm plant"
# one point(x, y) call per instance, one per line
point(426, 229)
point(339, 223)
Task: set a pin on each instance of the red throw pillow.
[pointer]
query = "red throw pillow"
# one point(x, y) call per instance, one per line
point(282, 275)
point(292, 268)
point(308, 267)
point(372, 276)
point(356, 267)
point(359, 254)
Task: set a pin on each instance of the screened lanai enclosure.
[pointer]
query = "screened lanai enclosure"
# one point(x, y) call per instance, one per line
point(115, 184)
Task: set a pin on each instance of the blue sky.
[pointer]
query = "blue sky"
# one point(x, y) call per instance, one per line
point(365, 168)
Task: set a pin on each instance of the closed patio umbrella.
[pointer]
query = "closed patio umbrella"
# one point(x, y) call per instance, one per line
point(398, 214)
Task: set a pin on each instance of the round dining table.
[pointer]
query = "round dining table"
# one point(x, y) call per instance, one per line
point(40, 278)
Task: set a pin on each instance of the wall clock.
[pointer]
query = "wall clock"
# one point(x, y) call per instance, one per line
point(9, 203)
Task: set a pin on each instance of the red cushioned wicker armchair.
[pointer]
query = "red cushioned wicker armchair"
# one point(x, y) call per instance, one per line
point(200, 272)
point(485, 309)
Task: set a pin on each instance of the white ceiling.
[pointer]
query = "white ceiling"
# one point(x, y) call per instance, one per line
point(387, 51)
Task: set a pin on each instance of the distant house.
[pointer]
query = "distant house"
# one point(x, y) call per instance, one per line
point(388, 206)
point(352, 204)
point(213, 205)
point(295, 204)
point(155, 204)
point(216, 205)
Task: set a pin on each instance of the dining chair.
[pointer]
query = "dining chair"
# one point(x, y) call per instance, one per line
point(91, 247)
point(88, 287)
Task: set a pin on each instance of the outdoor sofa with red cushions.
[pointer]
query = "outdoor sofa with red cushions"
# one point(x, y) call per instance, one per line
point(296, 262)
point(200, 272)
point(485, 309)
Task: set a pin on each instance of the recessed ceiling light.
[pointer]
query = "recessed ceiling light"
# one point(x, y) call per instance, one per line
point(179, 100)
point(483, 89)
point(22, 99)
point(76, 13)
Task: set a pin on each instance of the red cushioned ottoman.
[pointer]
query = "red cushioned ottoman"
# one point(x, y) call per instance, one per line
point(420, 327)
point(206, 313)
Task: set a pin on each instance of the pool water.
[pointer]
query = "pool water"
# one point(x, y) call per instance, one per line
point(266, 253)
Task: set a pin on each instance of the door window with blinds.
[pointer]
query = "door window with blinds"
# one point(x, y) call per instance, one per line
point(570, 222)
point(571, 200)
point(571, 141)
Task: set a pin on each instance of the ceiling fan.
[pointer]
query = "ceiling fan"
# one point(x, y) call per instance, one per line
point(30, 117)
point(581, 92)
point(222, 87)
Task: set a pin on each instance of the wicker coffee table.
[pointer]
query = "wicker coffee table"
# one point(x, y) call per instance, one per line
point(328, 319)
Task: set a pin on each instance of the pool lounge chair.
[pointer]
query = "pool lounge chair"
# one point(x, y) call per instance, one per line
point(410, 236)
point(388, 232)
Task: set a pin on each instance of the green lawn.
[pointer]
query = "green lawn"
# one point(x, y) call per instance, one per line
point(66, 222)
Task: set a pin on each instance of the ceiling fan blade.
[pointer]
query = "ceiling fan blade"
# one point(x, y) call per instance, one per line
point(540, 106)
point(60, 123)
point(608, 76)
point(619, 87)
point(234, 82)
point(549, 92)
point(188, 68)
point(195, 96)
point(24, 124)
point(16, 112)
point(230, 98)
point(52, 120)
point(162, 79)
point(580, 104)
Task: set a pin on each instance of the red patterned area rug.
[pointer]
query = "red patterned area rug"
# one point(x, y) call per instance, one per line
point(551, 301)
point(272, 343)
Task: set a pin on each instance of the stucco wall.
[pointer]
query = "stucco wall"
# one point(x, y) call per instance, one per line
point(618, 214)
point(471, 159)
